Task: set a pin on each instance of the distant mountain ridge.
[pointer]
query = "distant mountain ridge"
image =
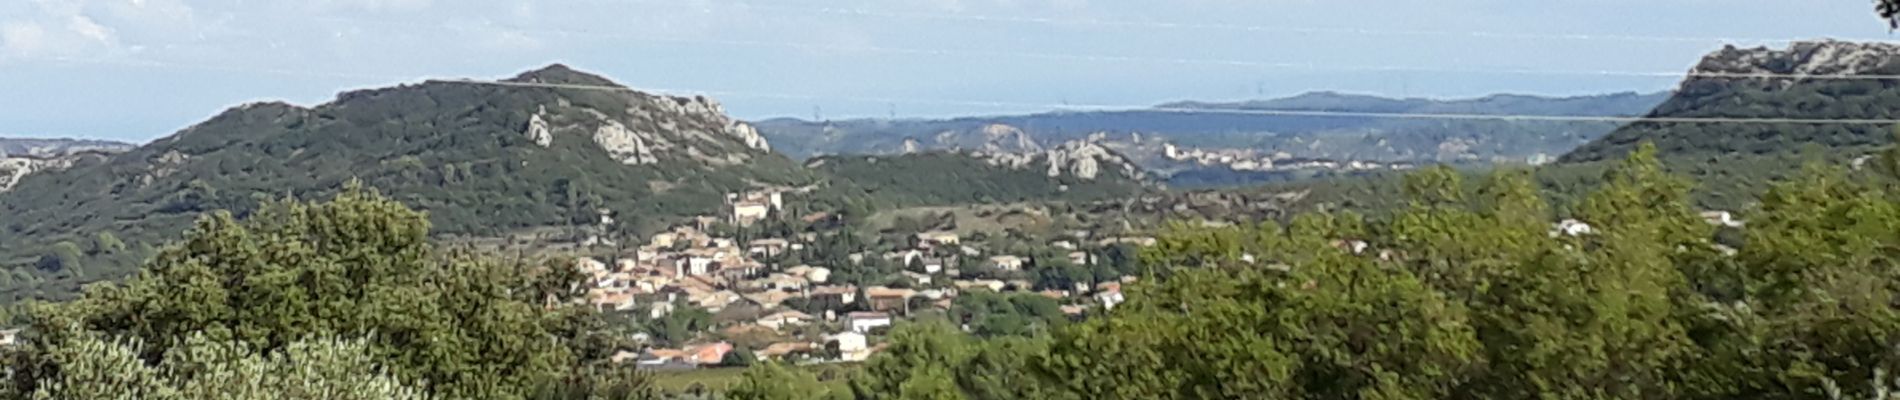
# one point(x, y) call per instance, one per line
point(1623, 103)
point(1330, 137)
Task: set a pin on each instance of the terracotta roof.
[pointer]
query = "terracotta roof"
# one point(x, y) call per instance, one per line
point(889, 292)
point(781, 349)
point(666, 354)
point(710, 353)
point(787, 314)
point(743, 328)
point(846, 289)
point(770, 298)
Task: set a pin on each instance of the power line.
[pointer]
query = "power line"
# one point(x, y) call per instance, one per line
point(1100, 58)
point(1050, 106)
point(1193, 110)
point(860, 12)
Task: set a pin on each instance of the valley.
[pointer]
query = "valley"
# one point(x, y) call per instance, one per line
point(585, 236)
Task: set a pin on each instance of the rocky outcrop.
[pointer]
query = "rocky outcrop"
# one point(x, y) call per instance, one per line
point(624, 145)
point(1081, 159)
point(51, 148)
point(538, 130)
point(1821, 57)
point(12, 170)
point(15, 169)
point(701, 107)
point(1087, 160)
point(22, 157)
point(1005, 138)
point(748, 135)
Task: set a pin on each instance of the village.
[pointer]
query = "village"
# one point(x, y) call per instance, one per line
point(793, 298)
point(1252, 160)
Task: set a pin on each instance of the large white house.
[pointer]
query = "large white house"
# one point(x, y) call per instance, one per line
point(864, 322)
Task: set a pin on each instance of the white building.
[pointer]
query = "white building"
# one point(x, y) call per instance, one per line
point(919, 278)
point(852, 346)
point(1007, 263)
point(1721, 218)
point(1571, 227)
point(1110, 298)
point(864, 322)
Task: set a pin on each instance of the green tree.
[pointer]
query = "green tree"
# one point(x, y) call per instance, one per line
point(359, 265)
point(91, 368)
point(1000, 370)
point(1890, 11)
point(1821, 314)
point(918, 351)
point(600, 382)
point(739, 358)
point(1597, 316)
point(929, 383)
point(773, 381)
point(1333, 325)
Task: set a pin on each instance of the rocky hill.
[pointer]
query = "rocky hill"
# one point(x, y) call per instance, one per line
point(1744, 93)
point(1230, 126)
point(1077, 170)
point(50, 148)
point(22, 157)
point(1733, 160)
point(550, 147)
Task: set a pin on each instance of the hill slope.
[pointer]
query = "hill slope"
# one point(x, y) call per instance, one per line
point(1347, 138)
point(22, 157)
point(1733, 160)
point(482, 159)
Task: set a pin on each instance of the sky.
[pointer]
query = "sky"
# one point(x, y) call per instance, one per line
point(137, 70)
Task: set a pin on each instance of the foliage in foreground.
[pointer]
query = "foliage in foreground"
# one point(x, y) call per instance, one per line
point(1466, 294)
point(344, 299)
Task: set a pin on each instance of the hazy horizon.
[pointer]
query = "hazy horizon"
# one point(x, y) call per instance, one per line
point(136, 70)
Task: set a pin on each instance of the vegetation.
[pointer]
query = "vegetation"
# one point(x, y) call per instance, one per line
point(1465, 293)
point(1461, 293)
point(1890, 11)
point(1734, 162)
point(454, 150)
point(343, 299)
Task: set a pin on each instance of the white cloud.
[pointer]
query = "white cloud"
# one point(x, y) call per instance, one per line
point(86, 27)
point(374, 5)
point(72, 28)
point(22, 37)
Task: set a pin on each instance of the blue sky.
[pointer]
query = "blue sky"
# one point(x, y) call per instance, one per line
point(141, 69)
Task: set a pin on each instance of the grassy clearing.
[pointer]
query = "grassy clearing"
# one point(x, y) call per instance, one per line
point(991, 219)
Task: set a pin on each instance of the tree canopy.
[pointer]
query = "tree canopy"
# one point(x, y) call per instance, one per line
point(350, 290)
